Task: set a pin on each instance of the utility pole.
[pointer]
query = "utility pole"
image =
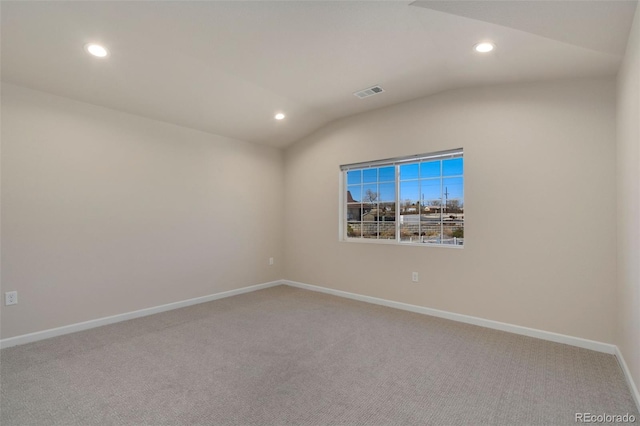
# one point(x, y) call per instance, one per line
point(446, 198)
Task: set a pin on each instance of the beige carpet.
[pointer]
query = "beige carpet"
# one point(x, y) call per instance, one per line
point(288, 356)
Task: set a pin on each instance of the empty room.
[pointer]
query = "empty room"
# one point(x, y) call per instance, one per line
point(320, 212)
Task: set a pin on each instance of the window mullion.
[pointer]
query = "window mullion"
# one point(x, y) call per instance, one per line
point(442, 201)
point(397, 170)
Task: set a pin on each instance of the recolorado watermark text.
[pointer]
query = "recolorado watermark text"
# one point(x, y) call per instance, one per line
point(605, 418)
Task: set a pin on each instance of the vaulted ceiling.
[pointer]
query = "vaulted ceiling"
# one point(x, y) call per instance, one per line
point(228, 67)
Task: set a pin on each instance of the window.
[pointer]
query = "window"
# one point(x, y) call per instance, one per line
point(409, 200)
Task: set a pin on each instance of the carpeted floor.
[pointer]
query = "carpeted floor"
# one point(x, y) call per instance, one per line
point(288, 356)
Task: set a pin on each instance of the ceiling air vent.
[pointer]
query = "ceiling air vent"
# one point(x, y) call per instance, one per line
point(369, 92)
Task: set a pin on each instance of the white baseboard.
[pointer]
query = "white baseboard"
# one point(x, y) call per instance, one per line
point(496, 325)
point(72, 328)
point(627, 374)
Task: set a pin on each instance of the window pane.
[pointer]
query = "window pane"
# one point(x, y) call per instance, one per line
point(355, 191)
point(354, 176)
point(387, 174)
point(369, 175)
point(370, 193)
point(457, 234)
point(387, 212)
point(452, 167)
point(410, 218)
point(387, 230)
point(430, 190)
point(450, 231)
point(455, 206)
point(387, 192)
point(409, 232)
point(409, 190)
point(354, 212)
point(452, 188)
point(409, 171)
point(354, 230)
point(430, 169)
point(370, 230)
point(430, 228)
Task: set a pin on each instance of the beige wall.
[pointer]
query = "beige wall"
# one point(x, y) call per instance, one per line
point(540, 233)
point(628, 174)
point(104, 212)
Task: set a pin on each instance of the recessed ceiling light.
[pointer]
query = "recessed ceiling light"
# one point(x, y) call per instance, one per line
point(484, 47)
point(96, 50)
point(279, 116)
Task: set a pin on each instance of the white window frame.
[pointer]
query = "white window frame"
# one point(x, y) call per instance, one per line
point(396, 163)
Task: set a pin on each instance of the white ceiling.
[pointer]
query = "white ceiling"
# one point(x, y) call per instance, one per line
point(228, 67)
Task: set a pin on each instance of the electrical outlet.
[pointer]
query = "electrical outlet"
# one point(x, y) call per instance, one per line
point(11, 298)
point(271, 261)
point(414, 277)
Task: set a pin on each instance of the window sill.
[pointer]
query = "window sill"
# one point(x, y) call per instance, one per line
point(395, 243)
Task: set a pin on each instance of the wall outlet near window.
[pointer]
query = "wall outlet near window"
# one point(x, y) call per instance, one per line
point(414, 277)
point(271, 261)
point(11, 298)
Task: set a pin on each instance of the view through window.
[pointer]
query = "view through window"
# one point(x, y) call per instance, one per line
point(415, 200)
